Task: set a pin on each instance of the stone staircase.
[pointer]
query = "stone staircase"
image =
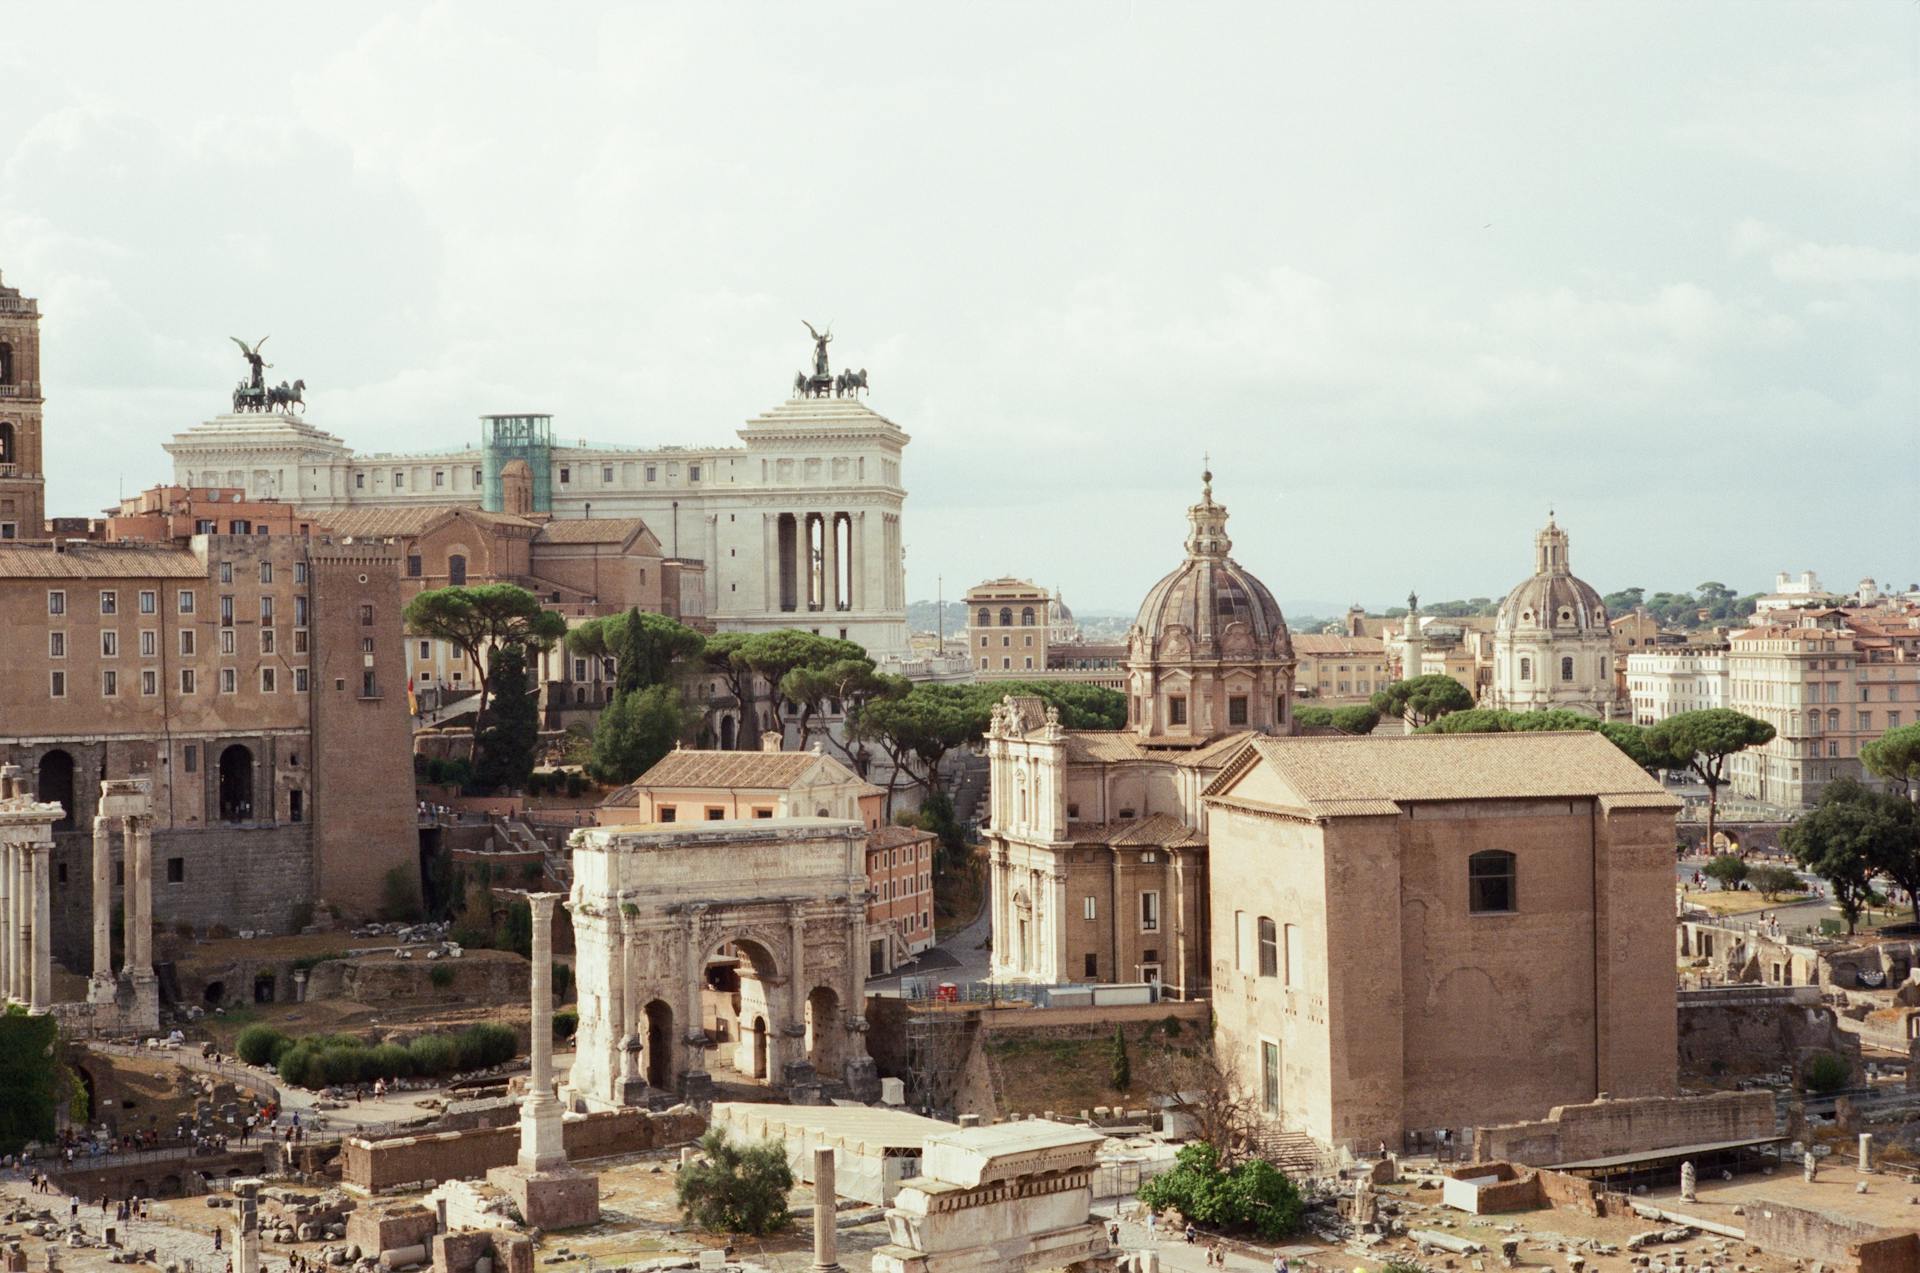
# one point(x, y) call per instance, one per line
point(1294, 1153)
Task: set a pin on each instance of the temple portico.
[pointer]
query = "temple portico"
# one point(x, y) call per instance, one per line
point(26, 892)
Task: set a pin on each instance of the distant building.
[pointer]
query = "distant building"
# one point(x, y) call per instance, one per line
point(1827, 681)
point(1334, 670)
point(1792, 592)
point(1007, 628)
point(23, 483)
point(1552, 644)
point(1406, 936)
point(1666, 680)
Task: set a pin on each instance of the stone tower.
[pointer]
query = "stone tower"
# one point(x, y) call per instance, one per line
point(23, 495)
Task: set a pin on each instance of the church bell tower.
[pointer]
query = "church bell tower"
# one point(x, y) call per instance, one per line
point(23, 497)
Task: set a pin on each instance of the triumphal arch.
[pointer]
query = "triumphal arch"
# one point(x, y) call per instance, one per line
point(730, 948)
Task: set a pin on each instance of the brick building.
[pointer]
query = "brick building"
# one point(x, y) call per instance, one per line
point(254, 678)
point(23, 498)
point(1435, 931)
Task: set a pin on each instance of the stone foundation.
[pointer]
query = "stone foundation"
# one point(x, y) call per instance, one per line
point(547, 1200)
point(1602, 1129)
point(373, 1166)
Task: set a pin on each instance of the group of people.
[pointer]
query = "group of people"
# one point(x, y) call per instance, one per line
point(1216, 1251)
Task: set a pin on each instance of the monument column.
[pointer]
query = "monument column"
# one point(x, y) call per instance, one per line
point(22, 920)
point(830, 597)
point(42, 991)
point(796, 979)
point(102, 907)
point(859, 572)
point(692, 959)
point(1057, 930)
point(6, 919)
point(826, 1241)
point(541, 1145)
point(137, 847)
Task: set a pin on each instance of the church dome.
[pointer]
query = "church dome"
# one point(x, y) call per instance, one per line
point(1209, 606)
point(1553, 599)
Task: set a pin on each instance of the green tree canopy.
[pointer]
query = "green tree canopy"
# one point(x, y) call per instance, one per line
point(1846, 838)
point(1252, 1196)
point(723, 657)
point(1895, 756)
point(480, 618)
point(849, 683)
point(636, 730)
point(1422, 699)
point(1351, 719)
point(644, 646)
point(505, 743)
point(1702, 741)
point(734, 1188)
point(1773, 882)
point(771, 655)
point(1726, 868)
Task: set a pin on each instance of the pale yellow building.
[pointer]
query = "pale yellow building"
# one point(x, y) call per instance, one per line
point(1334, 669)
point(1007, 629)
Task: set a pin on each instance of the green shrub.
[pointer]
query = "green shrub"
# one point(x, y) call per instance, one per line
point(1726, 869)
point(1119, 1066)
point(1825, 1072)
point(343, 1065)
point(485, 1044)
point(400, 894)
point(576, 784)
point(259, 1044)
point(732, 1188)
point(391, 1061)
point(565, 1024)
point(1253, 1196)
point(433, 1054)
point(441, 975)
point(300, 1066)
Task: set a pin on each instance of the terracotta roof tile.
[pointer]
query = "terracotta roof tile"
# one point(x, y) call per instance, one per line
point(99, 561)
point(591, 530)
point(1325, 643)
point(401, 520)
point(1360, 775)
point(894, 837)
point(1155, 830)
point(743, 770)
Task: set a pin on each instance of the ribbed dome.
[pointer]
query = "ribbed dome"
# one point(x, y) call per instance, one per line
point(1553, 599)
point(1223, 609)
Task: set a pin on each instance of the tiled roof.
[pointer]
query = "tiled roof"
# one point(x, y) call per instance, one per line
point(1371, 775)
point(745, 770)
point(1103, 746)
point(1155, 830)
point(99, 561)
point(894, 837)
point(590, 530)
point(1324, 643)
point(399, 520)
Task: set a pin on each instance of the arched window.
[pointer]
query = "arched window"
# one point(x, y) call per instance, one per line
point(1813, 722)
point(1833, 718)
point(1006, 616)
point(1026, 617)
point(54, 783)
point(1526, 669)
point(986, 617)
point(1566, 668)
point(1269, 948)
point(456, 569)
point(6, 443)
point(236, 784)
point(1490, 883)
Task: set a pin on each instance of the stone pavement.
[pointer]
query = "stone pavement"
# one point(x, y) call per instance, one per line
point(170, 1235)
point(1176, 1254)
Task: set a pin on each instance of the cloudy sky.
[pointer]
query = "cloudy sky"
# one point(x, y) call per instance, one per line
point(1411, 273)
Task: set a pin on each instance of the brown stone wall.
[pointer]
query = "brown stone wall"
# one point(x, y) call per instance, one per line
point(363, 805)
point(1839, 1241)
point(1571, 1193)
point(1575, 1133)
point(1736, 1038)
point(382, 1230)
point(470, 1154)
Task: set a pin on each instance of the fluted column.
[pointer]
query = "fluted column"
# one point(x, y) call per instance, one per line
point(42, 989)
point(6, 920)
point(103, 900)
point(137, 848)
point(542, 1147)
point(826, 1257)
point(22, 921)
point(830, 563)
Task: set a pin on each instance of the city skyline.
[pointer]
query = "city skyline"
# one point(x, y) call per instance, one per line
point(1406, 319)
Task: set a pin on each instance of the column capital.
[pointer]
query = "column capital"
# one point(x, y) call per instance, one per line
point(542, 905)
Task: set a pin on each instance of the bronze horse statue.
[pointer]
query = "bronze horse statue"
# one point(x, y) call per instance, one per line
point(288, 396)
point(849, 383)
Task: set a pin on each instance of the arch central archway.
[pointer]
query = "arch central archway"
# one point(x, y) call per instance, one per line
point(745, 994)
point(824, 1035)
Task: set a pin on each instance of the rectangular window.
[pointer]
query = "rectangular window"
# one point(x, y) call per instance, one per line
point(399, 479)
point(187, 687)
point(186, 642)
point(176, 870)
point(226, 611)
point(1269, 948)
point(266, 572)
point(149, 682)
point(439, 478)
point(566, 474)
point(667, 813)
point(266, 609)
point(56, 602)
point(190, 757)
point(300, 572)
point(693, 472)
point(299, 640)
point(426, 650)
point(296, 806)
point(109, 644)
point(299, 612)
point(1490, 883)
point(1177, 709)
point(109, 602)
point(652, 472)
point(1090, 907)
point(56, 645)
point(266, 680)
point(366, 616)
point(149, 601)
point(1269, 1077)
point(762, 811)
point(299, 680)
point(229, 681)
point(369, 686)
point(1237, 709)
point(57, 685)
point(1150, 912)
point(109, 684)
point(266, 640)
point(186, 601)
point(149, 644)
point(413, 565)
point(226, 641)
point(226, 572)
point(715, 813)
point(606, 474)
point(1092, 966)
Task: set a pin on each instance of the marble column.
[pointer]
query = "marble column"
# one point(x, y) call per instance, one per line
point(797, 980)
point(1056, 936)
point(693, 959)
point(826, 1241)
point(859, 572)
point(137, 848)
point(42, 989)
point(22, 921)
point(830, 564)
point(542, 1146)
point(102, 902)
point(6, 920)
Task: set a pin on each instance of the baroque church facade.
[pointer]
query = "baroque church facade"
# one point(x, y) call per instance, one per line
point(1552, 646)
point(798, 526)
point(1097, 838)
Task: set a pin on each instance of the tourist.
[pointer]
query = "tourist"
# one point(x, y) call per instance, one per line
point(1113, 1233)
point(1280, 1264)
point(216, 1237)
point(1191, 1233)
point(1152, 1221)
